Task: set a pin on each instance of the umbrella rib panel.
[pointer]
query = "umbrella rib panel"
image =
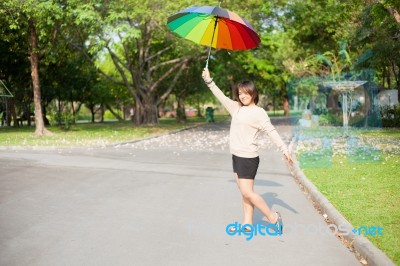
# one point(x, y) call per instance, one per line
point(199, 30)
point(183, 25)
point(238, 44)
point(224, 36)
point(220, 12)
point(246, 37)
point(207, 36)
point(203, 9)
point(235, 17)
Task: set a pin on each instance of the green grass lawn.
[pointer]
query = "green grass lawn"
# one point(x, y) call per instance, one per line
point(383, 133)
point(281, 113)
point(92, 134)
point(362, 181)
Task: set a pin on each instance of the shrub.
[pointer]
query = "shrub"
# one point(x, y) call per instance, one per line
point(330, 120)
point(390, 115)
point(373, 120)
point(63, 119)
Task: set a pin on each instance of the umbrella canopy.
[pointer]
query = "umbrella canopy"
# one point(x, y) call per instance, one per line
point(215, 27)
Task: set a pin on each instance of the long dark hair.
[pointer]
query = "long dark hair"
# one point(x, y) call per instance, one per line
point(249, 87)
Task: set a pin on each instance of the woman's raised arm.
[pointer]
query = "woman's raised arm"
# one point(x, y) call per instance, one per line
point(228, 103)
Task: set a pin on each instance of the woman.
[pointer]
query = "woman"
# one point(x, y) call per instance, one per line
point(248, 120)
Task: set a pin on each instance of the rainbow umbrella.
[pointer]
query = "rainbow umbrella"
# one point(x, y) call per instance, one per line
point(214, 27)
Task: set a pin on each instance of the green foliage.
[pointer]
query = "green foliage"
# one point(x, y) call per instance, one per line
point(390, 115)
point(314, 24)
point(46, 15)
point(63, 119)
point(330, 120)
point(378, 32)
point(109, 116)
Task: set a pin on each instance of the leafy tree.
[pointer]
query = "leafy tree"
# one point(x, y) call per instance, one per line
point(379, 32)
point(139, 44)
point(14, 72)
point(313, 25)
point(38, 22)
point(304, 36)
point(72, 81)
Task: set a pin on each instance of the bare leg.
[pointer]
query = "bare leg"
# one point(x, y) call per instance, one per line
point(248, 207)
point(246, 188)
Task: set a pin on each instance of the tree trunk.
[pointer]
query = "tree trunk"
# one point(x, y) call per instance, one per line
point(180, 110)
point(286, 108)
point(92, 112)
point(332, 102)
point(137, 113)
point(34, 60)
point(367, 106)
point(78, 108)
point(146, 111)
point(397, 75)
point(150, 115)
point(199, 108)
point(389, 80)
point(102, 111)
point(44, 112)
point(28, 111)
point(13, 113)
point(115, 114)
point(232, 85)
point(73, 108)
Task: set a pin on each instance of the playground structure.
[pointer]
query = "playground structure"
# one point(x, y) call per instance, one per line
point(345, 88)
point(4, 94)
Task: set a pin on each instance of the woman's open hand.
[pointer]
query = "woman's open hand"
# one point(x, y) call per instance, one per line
point(288, 157)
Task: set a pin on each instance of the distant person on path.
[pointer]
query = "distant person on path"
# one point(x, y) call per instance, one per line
point(248, 120)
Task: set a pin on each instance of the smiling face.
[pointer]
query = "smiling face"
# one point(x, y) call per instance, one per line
point(246, 93)
point(245, 98)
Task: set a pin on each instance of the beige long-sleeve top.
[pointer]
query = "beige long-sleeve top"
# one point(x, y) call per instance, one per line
point(246, 124)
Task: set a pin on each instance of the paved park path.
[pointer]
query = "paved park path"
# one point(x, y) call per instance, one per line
point(161, 201)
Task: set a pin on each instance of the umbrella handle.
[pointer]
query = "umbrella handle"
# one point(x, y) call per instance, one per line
point(208, 58)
